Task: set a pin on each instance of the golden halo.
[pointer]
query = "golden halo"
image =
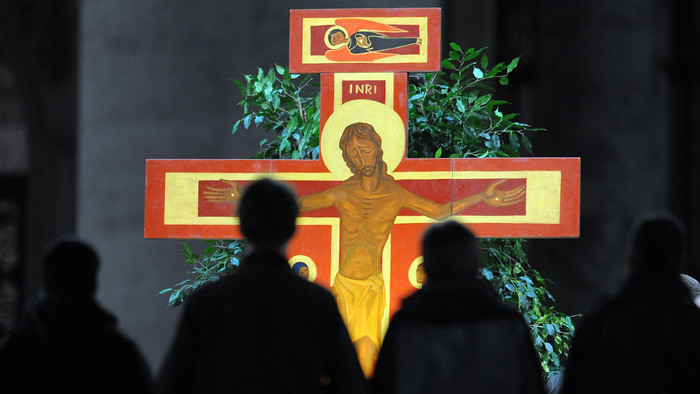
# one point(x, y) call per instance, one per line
point(306, 260)
point(412, 272)
point(386, 122)
point(328, 42)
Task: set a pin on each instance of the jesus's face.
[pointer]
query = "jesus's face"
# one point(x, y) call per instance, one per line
point(363, 155)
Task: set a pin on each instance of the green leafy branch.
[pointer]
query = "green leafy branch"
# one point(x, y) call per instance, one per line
point(451, 115)
point(508, 270)
point(219, 259)
point(275, 101)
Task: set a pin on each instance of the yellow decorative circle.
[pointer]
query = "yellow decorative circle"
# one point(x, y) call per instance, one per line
point(386, 122)
point(306, 260)
point(328, 41)
point(412, 272)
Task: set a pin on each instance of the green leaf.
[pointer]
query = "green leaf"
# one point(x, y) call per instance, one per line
point(448, 65)
point(504, 81)
point(175, 297)
point(268, 93)
point(186, 250)
point(512, 65)
point(478, 74)
point(526, 143)
point(481, 101)
point(484, 61)
point(438, 153)
point(280, 69)
point(471, 54)
point(293, 123)
point(456, 47)
point(513, 141)
point(509, 117)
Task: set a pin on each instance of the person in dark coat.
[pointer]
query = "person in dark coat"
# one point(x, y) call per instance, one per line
point(645, 339)
point(67, 342)
point(262, 329)
point(455, 335)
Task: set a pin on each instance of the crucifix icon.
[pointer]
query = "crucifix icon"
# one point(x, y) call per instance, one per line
point(364, 204)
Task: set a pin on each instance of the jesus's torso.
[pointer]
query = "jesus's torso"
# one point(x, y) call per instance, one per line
point(366, 219)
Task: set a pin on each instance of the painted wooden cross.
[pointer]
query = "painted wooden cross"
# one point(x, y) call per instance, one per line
point(364, 204)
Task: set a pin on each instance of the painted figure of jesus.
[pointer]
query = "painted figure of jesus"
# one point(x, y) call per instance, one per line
point(368, 203)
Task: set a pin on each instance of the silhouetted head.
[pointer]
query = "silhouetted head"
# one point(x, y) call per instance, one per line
point(70, 268)
point(656, 244)
point(353, 154)
point(449, 250)
point(268, 212)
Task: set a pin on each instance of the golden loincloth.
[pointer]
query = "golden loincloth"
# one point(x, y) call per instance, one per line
point(361, 304)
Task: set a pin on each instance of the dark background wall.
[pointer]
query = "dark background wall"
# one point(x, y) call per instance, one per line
point(90, 90)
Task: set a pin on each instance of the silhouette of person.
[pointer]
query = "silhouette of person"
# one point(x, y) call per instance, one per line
point(369, 202)
point(645, 339)
point(67, 342)
point(454, 334)
point(262, 329)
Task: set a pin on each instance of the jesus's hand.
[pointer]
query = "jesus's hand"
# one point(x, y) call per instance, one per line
point(224, 194)
point(502, 198)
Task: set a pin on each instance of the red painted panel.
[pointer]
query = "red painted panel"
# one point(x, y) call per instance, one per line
point(405, 248)
point(314, 242)
point(404, 22)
